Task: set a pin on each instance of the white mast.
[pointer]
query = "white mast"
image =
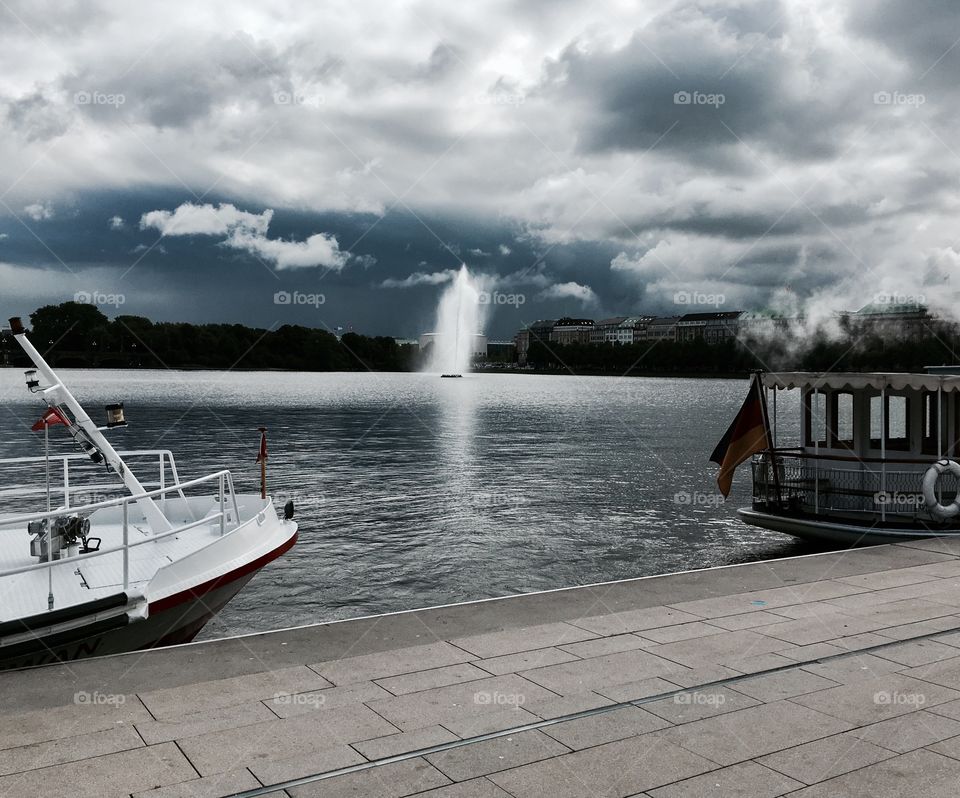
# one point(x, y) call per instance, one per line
point(56, 393)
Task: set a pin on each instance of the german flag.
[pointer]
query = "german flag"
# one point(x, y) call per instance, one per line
point(746, 435)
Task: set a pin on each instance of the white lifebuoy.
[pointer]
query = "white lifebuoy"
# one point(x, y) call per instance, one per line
point(930, 489)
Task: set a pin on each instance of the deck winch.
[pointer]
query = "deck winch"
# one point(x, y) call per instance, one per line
point(66, 531)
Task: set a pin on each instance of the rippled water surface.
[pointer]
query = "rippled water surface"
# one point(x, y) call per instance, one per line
point(412, 490)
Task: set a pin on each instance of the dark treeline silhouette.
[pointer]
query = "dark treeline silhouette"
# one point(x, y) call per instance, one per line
point(75, 334)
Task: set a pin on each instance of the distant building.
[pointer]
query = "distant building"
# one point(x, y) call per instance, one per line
point(538, 331)
point(662, 328)
point(620, 330)
point(711, 327)
point(908, 321)
point(501, 352)
point(572, 331)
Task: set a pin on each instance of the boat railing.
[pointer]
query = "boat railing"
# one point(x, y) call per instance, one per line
point(792, 481)
point(228, 512)
point(64, 470)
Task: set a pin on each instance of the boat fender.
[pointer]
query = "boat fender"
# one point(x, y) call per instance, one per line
point(930, 478)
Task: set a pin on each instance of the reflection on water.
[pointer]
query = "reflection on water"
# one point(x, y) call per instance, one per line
point(413, 490)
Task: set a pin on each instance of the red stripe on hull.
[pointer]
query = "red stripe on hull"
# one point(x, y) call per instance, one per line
point(217, 582)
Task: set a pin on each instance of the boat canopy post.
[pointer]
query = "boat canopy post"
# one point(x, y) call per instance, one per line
point(56, 393)
point(883, 452)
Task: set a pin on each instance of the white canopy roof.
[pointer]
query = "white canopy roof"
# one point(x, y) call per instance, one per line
point(857, 381)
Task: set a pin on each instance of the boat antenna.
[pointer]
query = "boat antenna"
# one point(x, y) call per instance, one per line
point(82, 429)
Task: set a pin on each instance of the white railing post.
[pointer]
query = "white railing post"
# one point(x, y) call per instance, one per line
point(222, 507)
point(66, 482)
point(883, 452)
point(126, 546)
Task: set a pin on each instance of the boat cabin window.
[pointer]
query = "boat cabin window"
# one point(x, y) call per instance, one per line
point(815, 411)
point(897, 426)
point(841, 420)
point(931, 423)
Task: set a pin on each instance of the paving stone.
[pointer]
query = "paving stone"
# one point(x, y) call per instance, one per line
point(748, 620)
point(475, 725)
point(209, 787)
point(68, 721)
point(367, 667)
point(822, 628)
point(816, 608)
point(68, 749)
point(783, 684)
point(288, 706)
point(404, 742)
point(614, 770)
point(510, 641)
point(746, 780)
point(683, 631)
point(606, 645)
point(605, 727)
point(279, 768)
point(386, 781)
point(114, 776)
point(568, 704)
point(436, 677)
point(297, 736)
point(853, 669)
point(860, 641)
point(703, 675)
point(758, 600)
point(945, 672)
point(877, 699)
point(635, 620)
point(949, 747)
point(191, 699)
point(909, 732)
point(951, 709)
point(824, 759)
point(591, 674)
point(919, 773)
point(699, 704)
point(525, 660)
point(631, 691)
point(813, 652)
point(737, 736)
point(432, 707)
point(475, 788)
point(882, 580)
point(917, 652)
point(918, 628)
point(719, 648)
point(160, 731)
point(491, 756)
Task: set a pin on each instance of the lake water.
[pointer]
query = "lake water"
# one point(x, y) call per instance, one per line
point(414, 491)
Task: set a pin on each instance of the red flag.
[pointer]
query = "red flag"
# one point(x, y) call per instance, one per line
point(48, 419)
point(262, 455)
point(746, 435)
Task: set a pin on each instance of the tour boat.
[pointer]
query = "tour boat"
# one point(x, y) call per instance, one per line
point(876, 460)
point(82, 578)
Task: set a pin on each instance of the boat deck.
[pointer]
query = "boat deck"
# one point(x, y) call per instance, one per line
point(825, 675)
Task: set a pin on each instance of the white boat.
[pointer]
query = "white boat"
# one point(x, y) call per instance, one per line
point(147, 568)
point(875, 461)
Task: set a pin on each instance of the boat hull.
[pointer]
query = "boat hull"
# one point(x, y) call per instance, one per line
point(834, 532)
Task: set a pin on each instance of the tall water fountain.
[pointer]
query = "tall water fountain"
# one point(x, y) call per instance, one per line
point(461, 314)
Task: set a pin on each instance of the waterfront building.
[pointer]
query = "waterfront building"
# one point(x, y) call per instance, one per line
point(572, 331)
point(539, 331)
point(662, 328)
point(713, 328)
point(907, 320)
point(478, 342)
point(620, 330)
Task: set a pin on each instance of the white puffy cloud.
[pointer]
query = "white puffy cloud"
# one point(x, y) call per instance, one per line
point(247, 232)
point(570, 290)
point(39, 211)
point(420, 278)
point(116, 222)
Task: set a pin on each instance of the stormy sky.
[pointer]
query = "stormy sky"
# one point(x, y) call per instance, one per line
point(193, 161)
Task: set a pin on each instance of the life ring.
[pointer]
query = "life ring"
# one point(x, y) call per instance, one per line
point(930, 489)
